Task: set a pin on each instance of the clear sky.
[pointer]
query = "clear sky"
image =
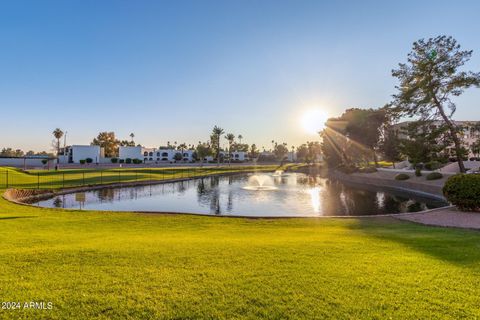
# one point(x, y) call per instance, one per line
point(171, 70)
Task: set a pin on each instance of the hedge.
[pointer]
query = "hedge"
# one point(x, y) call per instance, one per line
point(402, 176)
point(463, 190)
point(434, 176)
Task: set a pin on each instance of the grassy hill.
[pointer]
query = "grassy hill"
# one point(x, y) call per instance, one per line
point(97, 265)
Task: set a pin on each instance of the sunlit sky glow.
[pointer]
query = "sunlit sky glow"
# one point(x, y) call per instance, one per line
point(170, 71)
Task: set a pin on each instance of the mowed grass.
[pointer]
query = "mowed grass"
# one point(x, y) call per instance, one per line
point(51, 179)
point(100, 265)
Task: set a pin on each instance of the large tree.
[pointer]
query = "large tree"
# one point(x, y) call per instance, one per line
point(430, 79)
point(108, 142)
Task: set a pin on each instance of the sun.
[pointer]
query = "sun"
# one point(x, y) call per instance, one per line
point(313, 120)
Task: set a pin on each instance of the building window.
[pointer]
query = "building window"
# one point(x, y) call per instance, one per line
point(164, 154)
point(146, 159)
point(145, 154)
point(151, 154)
point(150, 159)
point(158, 154)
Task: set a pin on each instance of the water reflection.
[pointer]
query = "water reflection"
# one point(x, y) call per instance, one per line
point(294, 195)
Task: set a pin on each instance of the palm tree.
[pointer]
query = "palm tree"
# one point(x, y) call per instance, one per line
point(58, 134)
point(182, 147)
point(231, 138)
point(132, 135)
point(240, 137)
point(217, 133)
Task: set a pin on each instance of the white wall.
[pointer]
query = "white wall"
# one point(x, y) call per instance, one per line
point(21, 162)
point(84, 152)
point(130, 152)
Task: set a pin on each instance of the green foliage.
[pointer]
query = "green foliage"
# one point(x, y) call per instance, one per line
point(83, 161)
point(427, 83)
point(137, 161)
point(202, 151)
point(463, 190)
point(418, 172)
point(390, 146)
point(44, 161)
point(280, 151)
point(128, 160)
point(178, 156)
point(433, 165)
point(434, 176)
point(402, 176)
point(114, 160)
point(108, 142)
point(89, 160)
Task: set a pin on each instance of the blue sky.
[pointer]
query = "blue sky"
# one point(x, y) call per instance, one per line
point(169, 71)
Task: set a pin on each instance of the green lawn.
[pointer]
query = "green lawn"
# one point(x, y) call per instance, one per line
point(51, 179)
point(94, 265)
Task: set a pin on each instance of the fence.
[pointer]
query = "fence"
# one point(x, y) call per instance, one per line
point(42, 179)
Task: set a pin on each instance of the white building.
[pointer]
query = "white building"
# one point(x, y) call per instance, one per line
point(75, 153)
point(239, 156)
point(469, 133)
point(155, 155)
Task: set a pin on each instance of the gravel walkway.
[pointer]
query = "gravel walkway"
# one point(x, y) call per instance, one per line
point(445, 217)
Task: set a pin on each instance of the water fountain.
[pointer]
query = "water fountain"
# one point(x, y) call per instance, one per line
point(260, 182)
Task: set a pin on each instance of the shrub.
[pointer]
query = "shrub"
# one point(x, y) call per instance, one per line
point(434, 176)
point(402, 176)
point(114, 160)
point(463, 190)
point(137, 161)
point(89, 160)
point(128, 160)
point(432, 165)
point(418, 172)
point(121, 161)
point(44, 161)
point(82, 161)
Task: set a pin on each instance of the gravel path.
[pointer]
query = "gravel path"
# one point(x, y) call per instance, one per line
point(445, 217)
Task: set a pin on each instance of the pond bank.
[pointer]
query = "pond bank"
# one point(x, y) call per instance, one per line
point(416, 185)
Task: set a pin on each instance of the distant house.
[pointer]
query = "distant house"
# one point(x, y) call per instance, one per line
point(75, 153)
point(155, 155)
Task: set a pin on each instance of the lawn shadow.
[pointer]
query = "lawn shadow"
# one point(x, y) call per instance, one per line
point(17, 217)
point(453, 245)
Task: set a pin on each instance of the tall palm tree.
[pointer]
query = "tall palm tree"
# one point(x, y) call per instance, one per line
point(217, 133)
point(58, 134)
point(231, 138)
point(240, 137)
point(132, 135)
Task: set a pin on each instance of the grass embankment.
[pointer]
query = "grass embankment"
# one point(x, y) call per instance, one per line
point(44, 179)
point(100, 265)
point(123, 265)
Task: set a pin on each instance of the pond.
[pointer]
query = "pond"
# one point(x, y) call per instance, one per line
point(256, 195)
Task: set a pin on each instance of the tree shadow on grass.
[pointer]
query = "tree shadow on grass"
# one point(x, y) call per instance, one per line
point(17, 217)
point(453, 245)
